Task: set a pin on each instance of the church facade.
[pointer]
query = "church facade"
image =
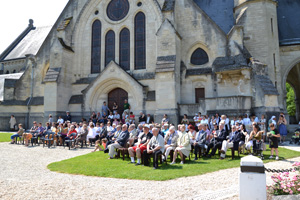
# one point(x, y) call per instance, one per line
point(165, 56)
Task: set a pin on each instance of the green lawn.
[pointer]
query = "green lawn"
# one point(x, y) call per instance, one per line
point(5, 137)
point(96, 164)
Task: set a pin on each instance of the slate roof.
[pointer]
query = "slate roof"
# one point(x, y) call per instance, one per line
point(199, 71)
point(35, 101)
point(288, 16)
point(230, 63)
point(220, 11)
point(266, 85)
point(30, 44)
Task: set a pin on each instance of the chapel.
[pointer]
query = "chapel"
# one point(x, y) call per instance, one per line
point(165, 56)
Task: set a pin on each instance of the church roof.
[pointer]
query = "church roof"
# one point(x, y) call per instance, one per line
point(220, 11)
point(288, 17)
point(30, 44)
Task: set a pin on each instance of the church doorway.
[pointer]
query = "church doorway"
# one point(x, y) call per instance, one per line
point(117, 95)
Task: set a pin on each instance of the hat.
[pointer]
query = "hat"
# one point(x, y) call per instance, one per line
point(146, 126)
point(215, 124)
point(67, 111)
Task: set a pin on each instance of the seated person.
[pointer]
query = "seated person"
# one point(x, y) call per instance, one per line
point(112, 138)
point(18, 134)
point(165, 128)
point(81, 136)
point(232, 142)
point(71, 134)
point(141, 145)
point(217, 140)
point(110, 117)
point(117, 116)
point(120, 141)
point(192, 133)
point(91, 134)
point(132, 134)
point(34, 129)
point(40, 130)
point(200, 141)
point(170, 141)
point(183, 145)
point(155, 147)
point(102, 136)
point(131, 118)
point(63, 132)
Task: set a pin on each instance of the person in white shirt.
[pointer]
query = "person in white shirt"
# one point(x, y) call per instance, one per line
point(60, 120)
point(204, 120)
point(91, 134)
point(117, 116)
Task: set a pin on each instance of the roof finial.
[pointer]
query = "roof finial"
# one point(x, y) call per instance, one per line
point(30, 22)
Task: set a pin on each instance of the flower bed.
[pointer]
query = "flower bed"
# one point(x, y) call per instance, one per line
point(286, 183)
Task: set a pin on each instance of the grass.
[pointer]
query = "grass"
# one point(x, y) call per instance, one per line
point(96, 164)
point(5, 137)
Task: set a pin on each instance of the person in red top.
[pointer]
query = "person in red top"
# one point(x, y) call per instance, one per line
point(131, 118)
point(72, 133)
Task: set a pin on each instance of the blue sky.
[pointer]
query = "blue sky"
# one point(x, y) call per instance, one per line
point(15, 15)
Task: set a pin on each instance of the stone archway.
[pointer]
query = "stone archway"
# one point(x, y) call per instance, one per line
point(117, 95)
point(293, 78)
point(111, 78)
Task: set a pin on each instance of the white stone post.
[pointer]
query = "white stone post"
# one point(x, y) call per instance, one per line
point(252, 179)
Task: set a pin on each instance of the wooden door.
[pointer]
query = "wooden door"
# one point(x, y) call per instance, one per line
point(117, 95)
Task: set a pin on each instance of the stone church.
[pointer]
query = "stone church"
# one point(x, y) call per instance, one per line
point(164, 56)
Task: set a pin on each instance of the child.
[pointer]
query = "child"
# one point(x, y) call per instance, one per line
point(19, 133)
point(274, 140)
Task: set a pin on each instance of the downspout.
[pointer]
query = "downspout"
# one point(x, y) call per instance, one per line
point(33, 65)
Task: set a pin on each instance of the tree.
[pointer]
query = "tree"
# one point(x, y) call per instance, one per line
point(290, 101)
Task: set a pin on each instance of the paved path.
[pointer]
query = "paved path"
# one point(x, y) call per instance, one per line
point(24, 175)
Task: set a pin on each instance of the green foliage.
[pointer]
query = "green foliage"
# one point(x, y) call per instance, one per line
point(5, 137)
point(97, 164)
point(290, 101)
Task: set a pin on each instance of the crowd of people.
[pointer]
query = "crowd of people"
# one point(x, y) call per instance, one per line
point(204, 137)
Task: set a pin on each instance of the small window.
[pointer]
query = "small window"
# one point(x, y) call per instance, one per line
point(199, 57)
point(199, 94)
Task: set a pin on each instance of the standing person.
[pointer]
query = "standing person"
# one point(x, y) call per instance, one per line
point(281, 124)
point(68, 117)
point(12, 122)
point(19, 133)
point(185, 121)
point(274, 135)
point(149, 119)
point(262, 126)
point(126, 106)
point(105, 108)
point(142, 118)
point(115, 107)
point(50, 120)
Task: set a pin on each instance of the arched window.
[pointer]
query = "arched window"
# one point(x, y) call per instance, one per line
point(125, 49)
point(96, 47)
point(14, 71)
point(199, 57)
point(140, 41)
point(109, 47)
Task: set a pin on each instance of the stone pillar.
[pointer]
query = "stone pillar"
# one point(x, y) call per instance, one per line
point(252, 179)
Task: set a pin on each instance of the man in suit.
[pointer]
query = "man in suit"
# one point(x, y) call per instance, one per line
point(232, 141)
point(119, 142)
point(68, 116)
point(217, 140)
point(149, 119)
point(200, 139)
point(112, 139)
point(155, 147)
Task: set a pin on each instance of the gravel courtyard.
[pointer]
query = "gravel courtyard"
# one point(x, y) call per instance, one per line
point(24, 175)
